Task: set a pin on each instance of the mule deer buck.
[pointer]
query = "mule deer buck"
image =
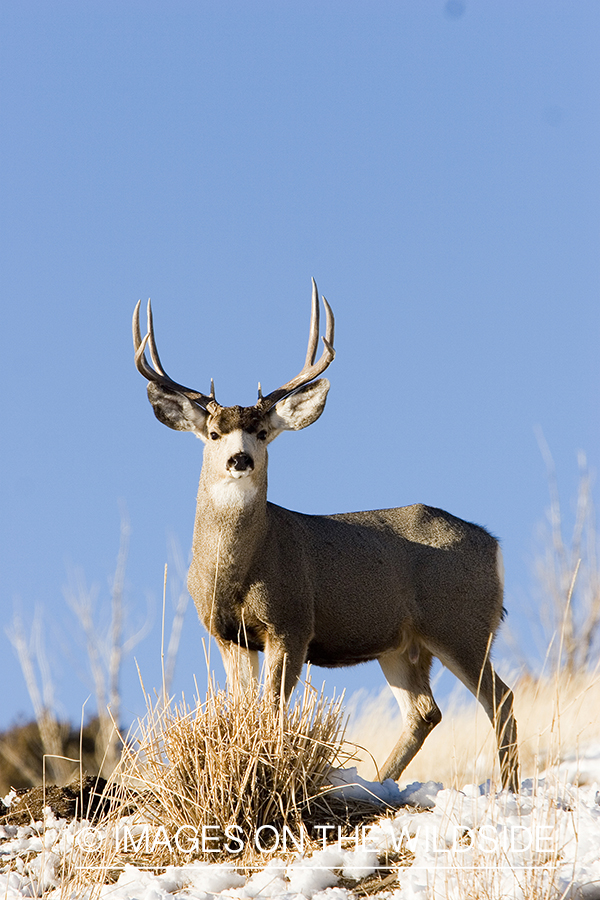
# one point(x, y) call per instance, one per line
point(397, 585)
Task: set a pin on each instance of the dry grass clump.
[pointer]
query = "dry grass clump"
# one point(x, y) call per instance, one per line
point(555, 715)
point(238, 758)
point(229, 779)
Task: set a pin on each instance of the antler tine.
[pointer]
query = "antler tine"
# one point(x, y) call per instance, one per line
point(313, 335)
point(158, 374)
point(329, 327)
point(139, 346)
point(311, 370)
point(152, 343)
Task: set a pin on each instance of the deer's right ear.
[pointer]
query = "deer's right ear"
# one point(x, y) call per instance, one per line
point(175, 410)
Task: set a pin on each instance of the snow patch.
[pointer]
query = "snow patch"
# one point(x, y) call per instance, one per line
point(460, 843)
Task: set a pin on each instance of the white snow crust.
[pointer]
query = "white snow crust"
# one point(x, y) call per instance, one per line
point(547, 836)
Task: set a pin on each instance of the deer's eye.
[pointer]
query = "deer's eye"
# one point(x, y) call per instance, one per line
point(214, 435)
point(262, 435)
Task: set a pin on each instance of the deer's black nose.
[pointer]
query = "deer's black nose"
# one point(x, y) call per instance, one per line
point(240, 462)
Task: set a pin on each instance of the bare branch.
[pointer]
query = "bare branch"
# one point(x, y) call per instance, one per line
point(181, 603)
point(569, 572)
point(44, 715)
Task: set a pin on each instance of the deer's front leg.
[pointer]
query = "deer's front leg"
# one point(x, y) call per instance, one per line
point(241, 665)
point(283, 664)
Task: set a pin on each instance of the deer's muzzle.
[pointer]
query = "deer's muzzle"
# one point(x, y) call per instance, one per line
point(240, 462)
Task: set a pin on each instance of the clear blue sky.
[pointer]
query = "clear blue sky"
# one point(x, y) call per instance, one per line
point(433, 165)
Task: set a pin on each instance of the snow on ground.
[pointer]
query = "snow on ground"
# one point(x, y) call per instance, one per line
point(474, 841)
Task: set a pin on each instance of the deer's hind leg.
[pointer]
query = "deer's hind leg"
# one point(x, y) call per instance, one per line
point(497, 699)
point(409, 680)
point(477, 673)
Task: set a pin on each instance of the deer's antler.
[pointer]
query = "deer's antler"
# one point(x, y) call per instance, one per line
point(311, 370)
point(158, 374)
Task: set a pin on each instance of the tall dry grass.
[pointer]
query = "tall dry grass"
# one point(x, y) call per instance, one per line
point(209, 777)
point(555, 716)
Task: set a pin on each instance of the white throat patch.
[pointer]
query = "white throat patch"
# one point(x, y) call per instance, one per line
point(235, 491)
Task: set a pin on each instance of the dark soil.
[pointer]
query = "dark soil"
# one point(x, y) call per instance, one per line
point(79, 799)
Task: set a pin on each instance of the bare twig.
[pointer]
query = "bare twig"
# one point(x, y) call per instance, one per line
point(44, 714)
point(569, 573)
point(181, 597)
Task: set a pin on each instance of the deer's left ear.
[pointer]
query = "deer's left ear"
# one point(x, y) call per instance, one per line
point(301, 408)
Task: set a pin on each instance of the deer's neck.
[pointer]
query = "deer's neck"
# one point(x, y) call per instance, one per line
point(231, 523)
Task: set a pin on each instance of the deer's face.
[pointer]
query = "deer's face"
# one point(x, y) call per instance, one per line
point(236, 440)
point(236, 437)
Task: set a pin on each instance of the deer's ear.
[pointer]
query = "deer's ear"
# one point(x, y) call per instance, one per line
point(176, 411)
point(301, 408)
